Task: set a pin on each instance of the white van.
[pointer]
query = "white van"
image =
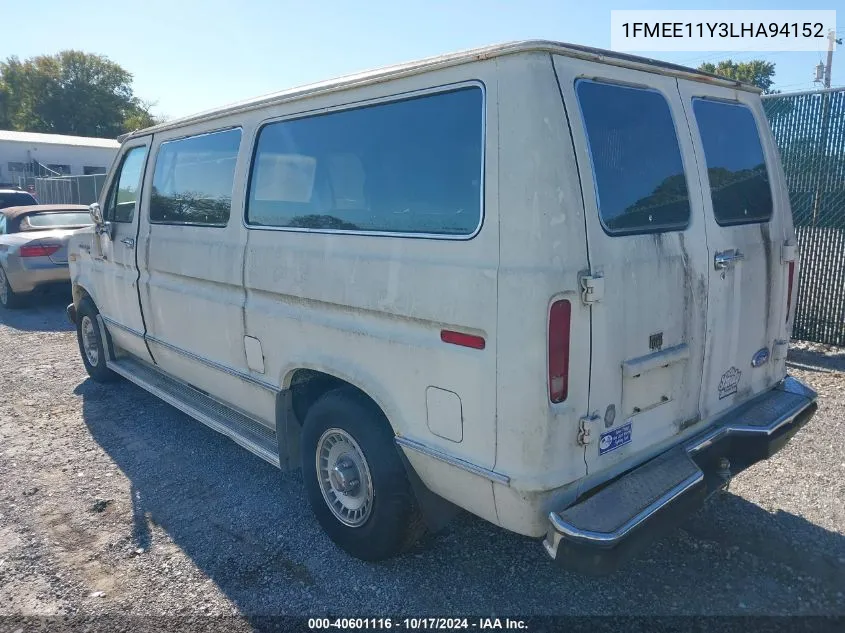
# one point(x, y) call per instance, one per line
point(547, 284)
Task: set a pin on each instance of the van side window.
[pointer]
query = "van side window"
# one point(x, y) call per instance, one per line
point(410, 167)
point(193, 179)
point(639, 175)
point(123, 197)
point(739, 182)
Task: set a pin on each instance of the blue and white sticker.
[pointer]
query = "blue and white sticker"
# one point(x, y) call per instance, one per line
point(612, 440)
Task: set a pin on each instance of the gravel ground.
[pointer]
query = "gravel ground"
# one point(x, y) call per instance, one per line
point(112, 502)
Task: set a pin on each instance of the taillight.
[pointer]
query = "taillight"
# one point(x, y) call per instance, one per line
point(791, 280)
point(559, 318)
point(38, 250)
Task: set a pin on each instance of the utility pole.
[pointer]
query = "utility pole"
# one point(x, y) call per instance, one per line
point(823, 71)
point(831, 40)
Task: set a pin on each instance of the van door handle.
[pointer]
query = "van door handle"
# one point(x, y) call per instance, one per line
point(727, 259)
point(130, 243)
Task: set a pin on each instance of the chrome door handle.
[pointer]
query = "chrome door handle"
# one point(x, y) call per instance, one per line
point(726, 259)
point(130, 243)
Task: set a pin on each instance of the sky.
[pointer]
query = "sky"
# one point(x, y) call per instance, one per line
point(187, 56)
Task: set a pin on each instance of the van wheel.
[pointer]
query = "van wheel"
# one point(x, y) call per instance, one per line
point(8, 298)
point(91, 343)
point(355, 481)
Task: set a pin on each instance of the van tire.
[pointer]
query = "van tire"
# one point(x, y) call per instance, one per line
point(87, 326)
point(394, 522)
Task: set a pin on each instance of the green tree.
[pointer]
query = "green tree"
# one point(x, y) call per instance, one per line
point(69, 93)
point(757, 72)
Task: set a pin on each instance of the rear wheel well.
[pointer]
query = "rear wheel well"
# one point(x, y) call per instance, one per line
point(308, 385)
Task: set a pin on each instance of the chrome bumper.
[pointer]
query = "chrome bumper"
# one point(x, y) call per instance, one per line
point(608, 526)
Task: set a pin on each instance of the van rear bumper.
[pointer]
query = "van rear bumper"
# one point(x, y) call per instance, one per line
point(613, 523)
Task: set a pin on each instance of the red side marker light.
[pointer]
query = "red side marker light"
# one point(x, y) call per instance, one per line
point(464, 340)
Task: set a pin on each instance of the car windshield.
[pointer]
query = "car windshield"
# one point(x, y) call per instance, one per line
point(36, 221)
point(15, 199)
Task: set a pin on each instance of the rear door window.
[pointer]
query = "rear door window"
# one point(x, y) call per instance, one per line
point(739, 182)
point(637, 167)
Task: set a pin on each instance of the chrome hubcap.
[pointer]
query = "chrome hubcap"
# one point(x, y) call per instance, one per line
point(89, 341)
point(4, 290)
point(344, 477)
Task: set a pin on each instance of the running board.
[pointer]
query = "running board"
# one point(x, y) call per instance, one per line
point(242, 429)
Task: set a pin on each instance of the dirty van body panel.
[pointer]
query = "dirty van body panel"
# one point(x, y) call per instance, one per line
point(744, 407)
point(113, 274)
point(191, 265)
point(748, 223)
point(332, 260)
point(540, 261)
point(645, 234)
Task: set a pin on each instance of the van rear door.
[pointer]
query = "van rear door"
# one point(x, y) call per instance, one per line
point(747, 219)
point(648, 258)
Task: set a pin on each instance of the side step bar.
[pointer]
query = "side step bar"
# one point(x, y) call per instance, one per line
point(610, 525)
point(242, 429)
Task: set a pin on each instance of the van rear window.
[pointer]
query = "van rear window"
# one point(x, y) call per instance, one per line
point(639, 175)
point(739, 182)
point(410, 167)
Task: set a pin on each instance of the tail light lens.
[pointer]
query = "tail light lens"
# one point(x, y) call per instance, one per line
point(789, 284)
point(38, 250)
point(559, 319)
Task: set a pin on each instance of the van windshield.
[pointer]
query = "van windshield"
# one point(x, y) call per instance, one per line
point(739, 182)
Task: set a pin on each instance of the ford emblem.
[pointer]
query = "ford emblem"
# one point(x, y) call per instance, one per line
point(760, 358)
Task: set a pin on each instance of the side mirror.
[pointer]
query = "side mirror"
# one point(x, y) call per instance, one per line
point(101, 227)
point(96, 213)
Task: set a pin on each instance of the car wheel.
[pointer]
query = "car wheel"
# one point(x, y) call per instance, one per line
point(8, 297)
point(354, 478)
point(91, 342)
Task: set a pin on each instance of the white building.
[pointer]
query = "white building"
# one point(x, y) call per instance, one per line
point(25, 154)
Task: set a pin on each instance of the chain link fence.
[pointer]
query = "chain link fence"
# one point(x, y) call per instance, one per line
point(64, 189)
point(809, 128)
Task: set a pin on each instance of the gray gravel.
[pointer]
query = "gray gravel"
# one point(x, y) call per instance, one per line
point(112, 502)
